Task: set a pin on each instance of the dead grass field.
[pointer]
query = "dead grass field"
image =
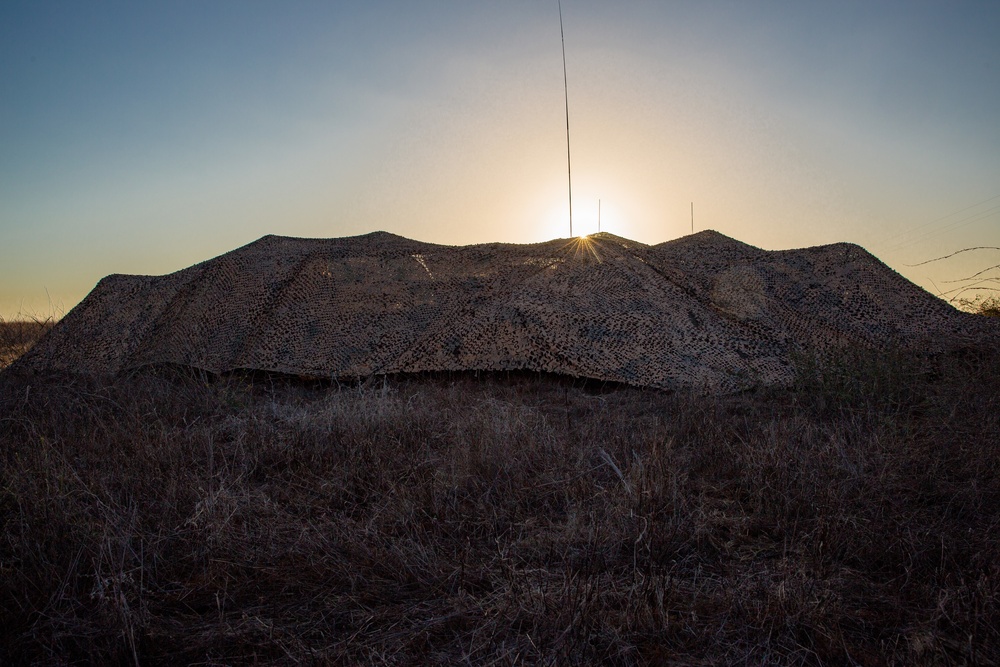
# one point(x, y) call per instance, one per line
point(174, 519)
point(17, 337)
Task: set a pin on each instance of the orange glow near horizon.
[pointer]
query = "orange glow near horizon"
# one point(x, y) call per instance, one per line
point(585, 220)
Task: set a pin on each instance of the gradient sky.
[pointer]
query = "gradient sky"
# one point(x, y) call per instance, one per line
point(145, 137)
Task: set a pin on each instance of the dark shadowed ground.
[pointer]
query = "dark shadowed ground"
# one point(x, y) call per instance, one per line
point(172, 518)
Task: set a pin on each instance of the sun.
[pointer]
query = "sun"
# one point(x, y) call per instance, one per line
point(585, 222)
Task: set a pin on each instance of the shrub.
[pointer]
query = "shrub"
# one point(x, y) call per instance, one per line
point(989, 306)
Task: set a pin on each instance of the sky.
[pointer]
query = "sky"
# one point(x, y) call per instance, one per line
point(145, 137)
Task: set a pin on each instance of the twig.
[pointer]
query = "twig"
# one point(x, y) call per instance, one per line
point(958, 252)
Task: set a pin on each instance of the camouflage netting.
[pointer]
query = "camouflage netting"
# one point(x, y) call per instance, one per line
point(703, 311)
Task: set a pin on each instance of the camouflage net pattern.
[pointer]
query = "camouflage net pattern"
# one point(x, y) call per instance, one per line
point(704, 311)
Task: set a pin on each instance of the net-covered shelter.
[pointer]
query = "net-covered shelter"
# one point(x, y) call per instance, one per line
point(704, 311)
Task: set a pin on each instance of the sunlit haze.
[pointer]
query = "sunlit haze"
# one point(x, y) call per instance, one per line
point(146, 137)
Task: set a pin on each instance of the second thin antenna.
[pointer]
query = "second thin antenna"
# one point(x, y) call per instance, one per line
point(569, 167)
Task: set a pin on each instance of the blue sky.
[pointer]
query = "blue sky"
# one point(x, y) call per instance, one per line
point(145, 137)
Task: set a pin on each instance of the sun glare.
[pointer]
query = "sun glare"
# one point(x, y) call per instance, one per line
point(584, 248)
point(585, 220)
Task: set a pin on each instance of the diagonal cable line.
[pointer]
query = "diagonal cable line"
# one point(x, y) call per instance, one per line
point(900, 240)
point(956, 224)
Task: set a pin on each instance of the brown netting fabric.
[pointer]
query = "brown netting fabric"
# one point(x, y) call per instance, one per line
point(704, 311)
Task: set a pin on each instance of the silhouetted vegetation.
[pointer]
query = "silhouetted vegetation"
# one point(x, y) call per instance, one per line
point(981, 285)
point(982, 305)
point(166, 519)
point(17, 337)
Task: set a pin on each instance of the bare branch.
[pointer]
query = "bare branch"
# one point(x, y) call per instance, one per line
point(974, 275)
point(972, 289)
point(969, 287)
point(959, 252)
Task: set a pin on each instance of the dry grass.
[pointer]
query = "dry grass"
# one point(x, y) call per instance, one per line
point(17, 337)
point(982, 305)
point(164, 519)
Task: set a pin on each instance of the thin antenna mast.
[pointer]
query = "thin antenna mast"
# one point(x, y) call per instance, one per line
point(692, 217)
point(569, 168)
